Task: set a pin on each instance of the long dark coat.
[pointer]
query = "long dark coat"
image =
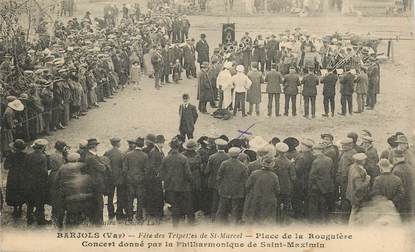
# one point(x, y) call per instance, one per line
point(320, 176)
point(404, 172)
point(55, 161)
point(302, 169)
point(204, 88)
point(202, 49)
point(231, 178)
point(212, 167)
point(286, 174)
point(176, 173)
point(188, 118)
point(261, 201)
point(15, 164)
point(195, 164)
point(253, 94)
point(36, 181)
point(154, 197)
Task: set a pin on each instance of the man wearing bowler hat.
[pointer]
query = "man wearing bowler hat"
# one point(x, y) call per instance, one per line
point(188, 117)
point(202, 49)
point(212, 167)
point(117, 179)
point(96, 169)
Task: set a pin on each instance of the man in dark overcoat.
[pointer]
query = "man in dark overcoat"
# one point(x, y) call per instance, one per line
point(36, 182)
point(320, 185)
point(302, 169)
point(177, 178)
point(274, 80)
point(134, 167)
point(117, 180)
point(96, 169)
point(189, 57)
point(310, 82)
point(346, 91)
point(154, 197)
point(291, 83)
point(231, 178)
point(188, 117)
point(212, 167)
point(202, 49)
point(329, 92)
point(204, 88)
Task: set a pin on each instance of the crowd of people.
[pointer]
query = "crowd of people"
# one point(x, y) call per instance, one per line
point(243, 180)
point(58, 77)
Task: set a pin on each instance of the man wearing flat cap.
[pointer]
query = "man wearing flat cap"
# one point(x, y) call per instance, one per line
point(342, 175)
point(406, 174)
point(302, 168)
point(389, 185)
point(358, 182)
point(285, 171)
point(212, 167)
point(96, 169)
point(231, 179)
point(371, 166)
point(116, 180)
point(262, 189)
point(320, 185)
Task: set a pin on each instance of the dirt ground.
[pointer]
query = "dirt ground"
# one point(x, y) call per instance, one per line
point(136, 113)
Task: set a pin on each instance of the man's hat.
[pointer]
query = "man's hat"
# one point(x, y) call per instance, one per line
point(268, 162)
point(367, 139)
point(190, 145)
point(16, 105)
point(73, 157)
point(346, 141)
point(282, 147)
point(324, 135)
point(11, 98)
point(92, 142)
point(359, 156)
point(353, 136)
point(131, 141)
point(402, 139)
point(308, 142)
point(234, 151)
point(204, 64)
point(221, 142)
point(150, 138)
point(292, 142)
point(385, 165)
point(240, 68)
point(266, 149)
point(160, 139)
point(228, 65)
point(39, 143)
point(18, 144)
point(115, 140)
point(319, 146)
point(254, 64)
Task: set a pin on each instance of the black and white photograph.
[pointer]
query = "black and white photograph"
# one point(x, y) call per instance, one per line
point(201, 125)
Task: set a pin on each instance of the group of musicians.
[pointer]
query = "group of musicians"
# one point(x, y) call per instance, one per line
point(302, 61)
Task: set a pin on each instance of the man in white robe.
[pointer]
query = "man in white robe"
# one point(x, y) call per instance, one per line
point(224, 85)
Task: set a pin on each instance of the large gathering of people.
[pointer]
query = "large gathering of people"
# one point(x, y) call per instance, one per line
point(59, 77)
point(246, 180)
point(243, 180)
